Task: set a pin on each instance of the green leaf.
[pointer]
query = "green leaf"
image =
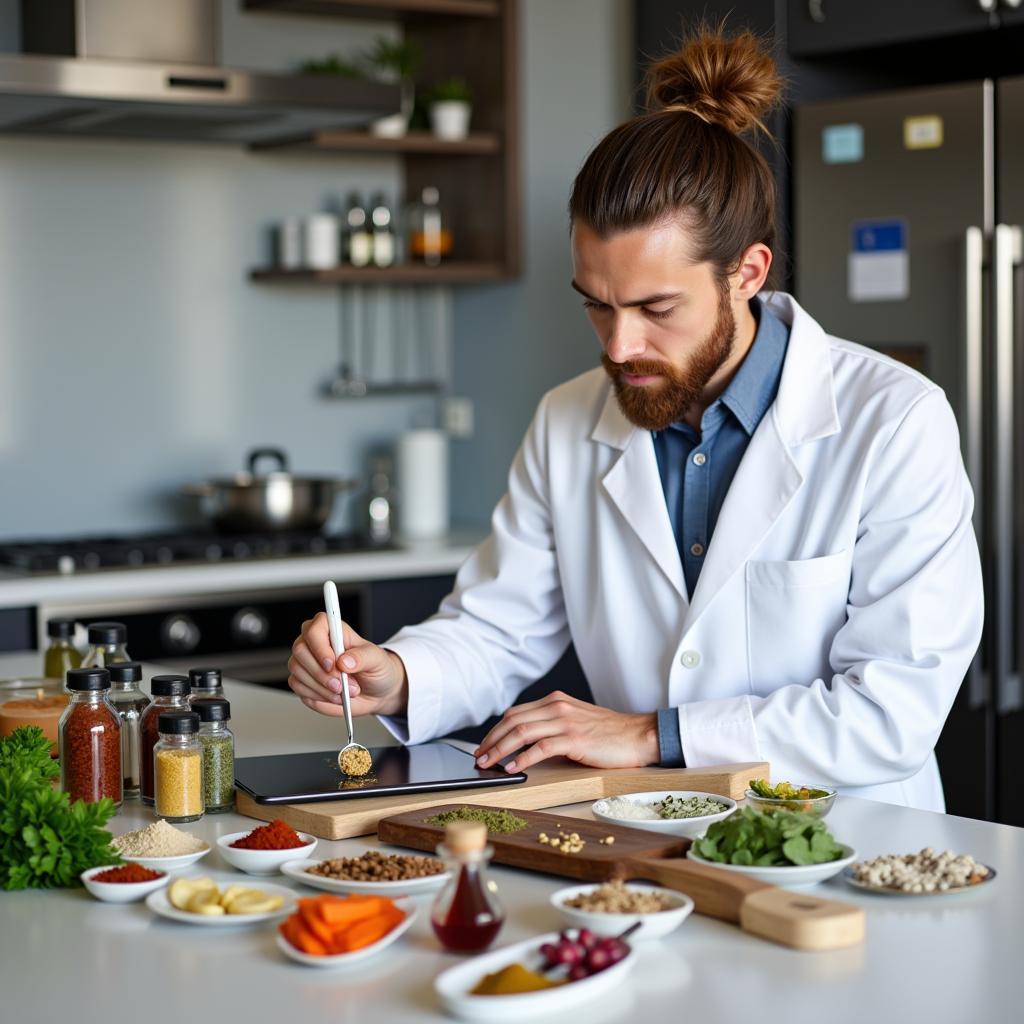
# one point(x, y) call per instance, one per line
point(798, 850)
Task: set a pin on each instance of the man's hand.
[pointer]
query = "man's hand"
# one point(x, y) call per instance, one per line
point(377, 681)
point(562, 726)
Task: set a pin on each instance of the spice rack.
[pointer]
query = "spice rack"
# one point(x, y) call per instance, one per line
point(478, 177)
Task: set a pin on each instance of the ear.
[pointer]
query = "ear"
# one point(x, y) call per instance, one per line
point(750, 276)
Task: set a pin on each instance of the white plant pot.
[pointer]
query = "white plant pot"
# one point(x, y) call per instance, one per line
point(392, 127)
point(450, 119)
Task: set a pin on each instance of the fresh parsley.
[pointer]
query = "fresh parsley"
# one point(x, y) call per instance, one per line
point(45, 840)
point(768, 839)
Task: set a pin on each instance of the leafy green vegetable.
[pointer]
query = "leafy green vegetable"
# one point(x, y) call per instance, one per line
point(45, 840)
point(768, 839)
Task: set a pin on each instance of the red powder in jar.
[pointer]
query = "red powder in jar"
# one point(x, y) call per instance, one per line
point(275, 836)
point(128, 873)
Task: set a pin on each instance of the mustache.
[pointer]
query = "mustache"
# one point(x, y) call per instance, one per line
point(636, 368)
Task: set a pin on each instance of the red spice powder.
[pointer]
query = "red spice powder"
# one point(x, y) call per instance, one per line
point(275, 836)
point(128, 873)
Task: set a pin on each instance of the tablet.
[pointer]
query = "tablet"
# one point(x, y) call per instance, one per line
point(304, 778)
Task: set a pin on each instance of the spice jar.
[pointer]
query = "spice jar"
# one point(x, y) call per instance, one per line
point(106, 644)
point(466, 915)
point(218, 745)
point(178, 767)
point(129, 703)
point(89, 737)
point(206, 684)
point(170, 693)
point(62, 654)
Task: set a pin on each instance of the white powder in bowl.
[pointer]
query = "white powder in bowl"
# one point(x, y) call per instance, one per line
point(620, 807)
point(157, 840)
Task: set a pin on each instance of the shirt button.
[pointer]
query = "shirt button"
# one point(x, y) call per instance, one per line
point(697, 550)
point(690, 659)
point(699, 459)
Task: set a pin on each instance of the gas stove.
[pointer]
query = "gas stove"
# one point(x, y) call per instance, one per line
point(91, 554)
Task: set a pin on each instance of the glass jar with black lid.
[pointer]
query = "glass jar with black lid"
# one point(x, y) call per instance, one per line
point(170, 693)
point(178, 767)
point(89, 737)
point(206, 684)
point(218, 745)
point(62, 654)
point(129, 702)
point(106, 644)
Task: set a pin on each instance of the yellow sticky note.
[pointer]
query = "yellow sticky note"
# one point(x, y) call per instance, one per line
point(922, 132)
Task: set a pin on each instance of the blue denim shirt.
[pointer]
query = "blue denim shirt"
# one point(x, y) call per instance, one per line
point(697, 468)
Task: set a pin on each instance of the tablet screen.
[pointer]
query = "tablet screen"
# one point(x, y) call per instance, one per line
point(301, 778)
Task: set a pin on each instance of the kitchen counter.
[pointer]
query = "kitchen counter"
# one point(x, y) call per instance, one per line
point(410, 559)
point(66, 956)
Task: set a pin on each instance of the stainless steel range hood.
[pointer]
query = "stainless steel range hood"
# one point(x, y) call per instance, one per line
point(96, 76)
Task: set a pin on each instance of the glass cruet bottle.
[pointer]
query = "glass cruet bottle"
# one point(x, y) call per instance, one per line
point(62, 654)
point(106, 644)
point(467, 914)
point(129, 702)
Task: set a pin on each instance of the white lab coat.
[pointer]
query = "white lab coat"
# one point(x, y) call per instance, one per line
point(836, 614)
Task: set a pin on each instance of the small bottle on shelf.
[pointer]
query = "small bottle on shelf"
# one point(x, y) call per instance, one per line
point(466, 915)
point(429, 238)
point(178, 767)
point(129, 702)
point(62, 654)
point(106, 644)
point(358, 237)
point(384, 248)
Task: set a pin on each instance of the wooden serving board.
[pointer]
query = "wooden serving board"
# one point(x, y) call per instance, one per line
point(780, 915)
point(550, 784)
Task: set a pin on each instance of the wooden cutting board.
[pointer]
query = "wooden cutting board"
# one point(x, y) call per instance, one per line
point(550, 784)
point(781, 915)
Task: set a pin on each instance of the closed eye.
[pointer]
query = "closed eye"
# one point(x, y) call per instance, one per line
point(656, 314)
point(591, 304)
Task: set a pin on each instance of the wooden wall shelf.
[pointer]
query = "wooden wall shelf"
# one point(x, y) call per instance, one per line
point(477, 144)
point(406, 273)
point(380, 8)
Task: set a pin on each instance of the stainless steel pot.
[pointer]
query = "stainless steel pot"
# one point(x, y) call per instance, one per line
point(274, 501)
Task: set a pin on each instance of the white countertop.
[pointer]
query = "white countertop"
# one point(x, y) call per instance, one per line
point(65, 956)
point(412, 558)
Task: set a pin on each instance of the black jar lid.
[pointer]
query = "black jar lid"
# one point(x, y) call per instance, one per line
point(169, 686)
point(214, 709)
point(107, 632)
point(84, 679)
point(178, 723)
point(125, 672)
point(204, 678)
point(60, 629)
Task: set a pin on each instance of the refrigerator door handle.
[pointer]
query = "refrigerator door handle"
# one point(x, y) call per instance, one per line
point(1006, 256)
point(978, 680)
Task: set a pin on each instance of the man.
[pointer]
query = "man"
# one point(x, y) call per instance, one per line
point(757, 536)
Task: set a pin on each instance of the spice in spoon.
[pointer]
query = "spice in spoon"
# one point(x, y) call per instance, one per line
point(355, 761)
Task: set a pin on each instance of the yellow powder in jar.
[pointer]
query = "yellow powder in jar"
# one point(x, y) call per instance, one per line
point(179, 783)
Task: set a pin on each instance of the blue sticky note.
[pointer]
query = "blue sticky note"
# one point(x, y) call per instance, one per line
point(879, 236)
point(842, 143)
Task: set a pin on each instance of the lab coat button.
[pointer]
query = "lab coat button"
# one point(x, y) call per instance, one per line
point(690, 659)
point(696, 550)
point(699, 459)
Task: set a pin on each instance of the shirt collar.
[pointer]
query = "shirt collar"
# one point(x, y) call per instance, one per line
point(752, 390)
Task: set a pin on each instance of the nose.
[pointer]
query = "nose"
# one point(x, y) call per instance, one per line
point(625, 341)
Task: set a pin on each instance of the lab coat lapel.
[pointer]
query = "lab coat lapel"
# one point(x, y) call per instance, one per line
point(634, 485)
point(768, 477)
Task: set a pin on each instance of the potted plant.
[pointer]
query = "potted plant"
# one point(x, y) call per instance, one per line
point(451, 106)
point(395, 61)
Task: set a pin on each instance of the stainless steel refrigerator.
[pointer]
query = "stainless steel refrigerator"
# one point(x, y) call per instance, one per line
point(908, 209)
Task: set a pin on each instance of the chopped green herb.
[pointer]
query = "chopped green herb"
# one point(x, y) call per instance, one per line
point(496, 821)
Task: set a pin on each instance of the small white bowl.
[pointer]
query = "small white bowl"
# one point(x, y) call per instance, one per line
point(120, 892)
point(693, 828)
point(299, 870)
point(262, 862)
point(344, 959)
point(652, 925)
point(796, 876)
point(454, 985)
point(169, 863)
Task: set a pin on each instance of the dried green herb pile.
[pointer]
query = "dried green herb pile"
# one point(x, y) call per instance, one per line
point(496, 821)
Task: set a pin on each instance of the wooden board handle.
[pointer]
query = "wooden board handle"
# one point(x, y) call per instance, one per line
point(789, 917)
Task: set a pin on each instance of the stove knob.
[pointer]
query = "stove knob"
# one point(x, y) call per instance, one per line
point(180, 634)
point(250, 626)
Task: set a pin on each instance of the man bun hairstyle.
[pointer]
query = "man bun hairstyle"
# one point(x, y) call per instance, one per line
point(687, 157)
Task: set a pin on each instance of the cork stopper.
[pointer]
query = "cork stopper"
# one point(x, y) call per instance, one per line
point(465, 836)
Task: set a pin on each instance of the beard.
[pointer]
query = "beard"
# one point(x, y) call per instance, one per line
point(657, 406)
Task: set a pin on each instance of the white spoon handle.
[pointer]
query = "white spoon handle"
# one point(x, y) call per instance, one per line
point(333, 607)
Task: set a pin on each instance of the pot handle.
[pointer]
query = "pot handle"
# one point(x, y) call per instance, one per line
point(268, 453)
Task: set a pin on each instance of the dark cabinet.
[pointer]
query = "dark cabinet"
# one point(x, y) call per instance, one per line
point(817, 28)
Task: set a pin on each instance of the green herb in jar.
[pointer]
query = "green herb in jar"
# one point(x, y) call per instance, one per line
point(218, 753)
point(496, 821)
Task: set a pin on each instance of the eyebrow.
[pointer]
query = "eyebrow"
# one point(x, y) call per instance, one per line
point(649, 300)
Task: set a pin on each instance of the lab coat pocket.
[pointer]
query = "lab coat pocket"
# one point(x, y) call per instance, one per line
point(794, 610)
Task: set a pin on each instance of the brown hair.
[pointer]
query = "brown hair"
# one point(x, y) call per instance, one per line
point(687, 158)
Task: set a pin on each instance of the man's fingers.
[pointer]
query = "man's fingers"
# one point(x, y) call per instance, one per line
point(518, 716)
point(303, 657)
point(554, 746)
point(313, 687)
point(318, 639)
point(521, 735)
